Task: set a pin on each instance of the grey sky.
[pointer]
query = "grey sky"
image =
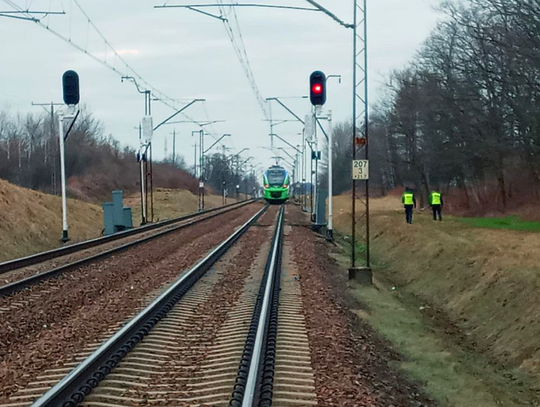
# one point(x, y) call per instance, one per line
point(187, 55)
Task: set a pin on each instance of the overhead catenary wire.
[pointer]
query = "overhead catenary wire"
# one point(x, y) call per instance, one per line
point(240, 50)
point(126, 70)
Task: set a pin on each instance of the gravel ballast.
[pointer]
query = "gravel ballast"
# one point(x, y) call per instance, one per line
point(78, 308)
point(352, 364)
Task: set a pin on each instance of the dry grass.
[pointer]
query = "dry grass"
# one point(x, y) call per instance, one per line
point(172, 203)
point(31, 221)
point(486, 280)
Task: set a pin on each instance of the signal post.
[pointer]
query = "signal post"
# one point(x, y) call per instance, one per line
point(70, 87)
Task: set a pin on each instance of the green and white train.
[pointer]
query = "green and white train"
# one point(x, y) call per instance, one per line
point(276, 183)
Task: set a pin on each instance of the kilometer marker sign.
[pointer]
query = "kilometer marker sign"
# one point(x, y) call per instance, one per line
point(360, 169)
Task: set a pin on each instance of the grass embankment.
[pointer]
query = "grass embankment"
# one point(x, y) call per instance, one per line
point(461, 303)
point(31, 221)
point(509, 222)
point(172, 203)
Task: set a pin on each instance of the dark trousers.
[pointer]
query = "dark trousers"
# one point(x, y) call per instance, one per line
point(437, 211)
point(408, 213)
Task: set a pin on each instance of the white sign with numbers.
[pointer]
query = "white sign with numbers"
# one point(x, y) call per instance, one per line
point(360, 169)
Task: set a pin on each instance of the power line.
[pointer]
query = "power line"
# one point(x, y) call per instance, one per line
point(241, 53)
point(127, 69)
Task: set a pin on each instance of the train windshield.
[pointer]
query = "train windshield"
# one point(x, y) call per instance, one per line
point(276, 177)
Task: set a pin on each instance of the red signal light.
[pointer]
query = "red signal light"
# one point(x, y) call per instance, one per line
point(317, 88)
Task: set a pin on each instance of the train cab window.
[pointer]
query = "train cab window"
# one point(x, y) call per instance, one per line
point(276, 177)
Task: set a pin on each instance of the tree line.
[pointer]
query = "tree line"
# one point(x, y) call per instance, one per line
point(95, 162)
point(224, 173)
point(464, 116)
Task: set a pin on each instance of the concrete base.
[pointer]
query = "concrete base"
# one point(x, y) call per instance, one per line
point(329, 235)
point(318, 227)
point(362, 275)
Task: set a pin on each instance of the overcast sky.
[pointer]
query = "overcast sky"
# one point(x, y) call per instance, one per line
point(187, 55)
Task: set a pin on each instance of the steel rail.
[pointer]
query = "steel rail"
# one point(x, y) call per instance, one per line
point(62, 251)
point(28, 281)
point(73, 388)
point(254, 381)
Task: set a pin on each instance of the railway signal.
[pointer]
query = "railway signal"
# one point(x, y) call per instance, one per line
point(70, 86)
point(317, 88)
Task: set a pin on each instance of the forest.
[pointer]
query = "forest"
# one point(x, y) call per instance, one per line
point(464, 116)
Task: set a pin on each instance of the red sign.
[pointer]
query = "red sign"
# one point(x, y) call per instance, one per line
point(361, 141)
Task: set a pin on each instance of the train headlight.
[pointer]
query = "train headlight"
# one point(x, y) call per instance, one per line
point(285, 186)
point(266, 186)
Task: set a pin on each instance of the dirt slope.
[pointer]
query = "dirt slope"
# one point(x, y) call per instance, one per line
point(485, 281)
point(31, 221)
point(172, 203)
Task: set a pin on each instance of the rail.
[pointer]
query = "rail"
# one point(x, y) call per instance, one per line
point(73, 388)
point(62, 251)
point(28, 281)
point(254, 381)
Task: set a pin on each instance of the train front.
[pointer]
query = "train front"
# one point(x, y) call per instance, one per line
point(276, 185)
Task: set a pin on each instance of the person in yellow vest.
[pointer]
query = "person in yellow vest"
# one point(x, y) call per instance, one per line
point(409, 202)
point(436, 203)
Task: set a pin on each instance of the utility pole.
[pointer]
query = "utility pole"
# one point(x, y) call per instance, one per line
point(195, 160)
point(50, 111)
point(330, 228)
point(226, 165)
point(202, 171)
point(166, 150)
point(174, 148)
point(360, 94)
point(71, 96)
point(141, 158)
point(304, 188)
point(316, 183)
point(62, 136)
point(145, 146)
point(251, 186)
point(65, 236)
point(201, 166)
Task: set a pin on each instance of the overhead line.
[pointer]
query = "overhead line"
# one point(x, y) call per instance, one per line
point(241, 53)
point(162, 97)
point(238, 5)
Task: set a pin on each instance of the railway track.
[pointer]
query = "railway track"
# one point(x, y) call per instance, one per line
point(217, 336)
point(21, 273)
point(77, 247)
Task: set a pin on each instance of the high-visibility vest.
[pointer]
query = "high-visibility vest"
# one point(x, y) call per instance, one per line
point(408, 198)
point(435, 198)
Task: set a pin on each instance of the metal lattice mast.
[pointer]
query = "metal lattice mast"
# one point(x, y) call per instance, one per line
point(360, 144)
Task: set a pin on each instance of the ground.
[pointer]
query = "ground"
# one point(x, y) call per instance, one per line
point(172, 203)
point(468, 296)
point(353, 365)
point(458, 300)
point(31, 221)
